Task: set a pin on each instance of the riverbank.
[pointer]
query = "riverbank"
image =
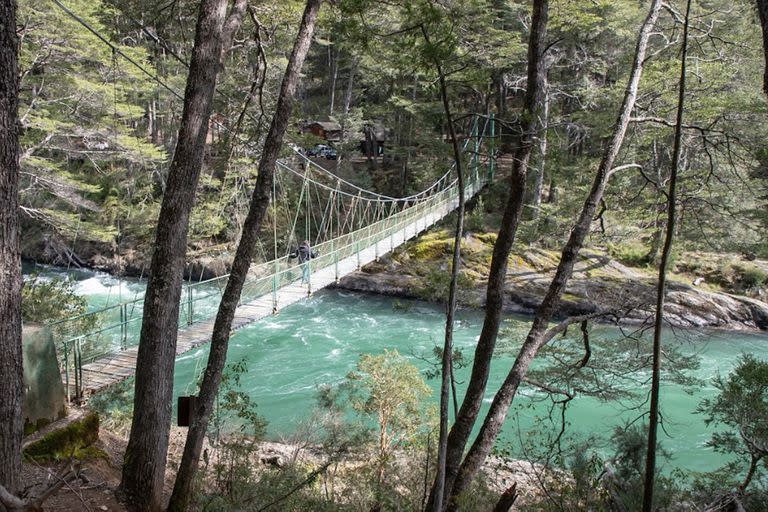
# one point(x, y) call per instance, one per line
point(704, 290)
point(420, 270)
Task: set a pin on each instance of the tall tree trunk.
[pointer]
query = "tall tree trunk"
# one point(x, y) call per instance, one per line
point(11, 385)
point(754, 459)
point(409, 145)
point(333, 63)
point(145, 456)
point(347, 102)
point(348, 90)
point(241, 263)
point(470, 406)
point(661, 287)
point(652, 257)
point(538, 184)
point(446, 366)
point(536, 336)
point(762, 9)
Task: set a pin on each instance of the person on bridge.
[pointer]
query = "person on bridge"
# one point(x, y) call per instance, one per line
point(305, 253)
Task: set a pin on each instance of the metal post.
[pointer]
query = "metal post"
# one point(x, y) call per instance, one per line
point(189, 305)
point(491, 150)
point(66, 370)
point(335, 261)
point(123, 326)
point(309, 276)
point(78, 371)
point(275, 272)
point(357, 250)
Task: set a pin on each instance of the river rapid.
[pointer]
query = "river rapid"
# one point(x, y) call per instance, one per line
point(319, 340)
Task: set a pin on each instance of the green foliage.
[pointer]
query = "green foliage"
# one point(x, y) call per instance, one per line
point(75, 440)
point(475, 220)
point(235, 407)
point(82, 120)
point(389, 388)
point(631, 252)
point(234, 432)
point(114, 406)
point(437, 284)
point(458, 361)
point(47, 300)
point(741, 406)
point(753, 276)
point(630, 443)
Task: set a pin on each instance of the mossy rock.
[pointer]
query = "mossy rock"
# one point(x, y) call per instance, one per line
point(74, 440)
point(540, 260)
point(430, 248)
point(486, 238)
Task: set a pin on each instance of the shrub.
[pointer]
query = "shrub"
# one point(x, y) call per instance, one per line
point(753, 276)
point(631, 253)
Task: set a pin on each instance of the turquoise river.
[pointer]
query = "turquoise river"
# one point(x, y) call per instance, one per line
point(319, 340)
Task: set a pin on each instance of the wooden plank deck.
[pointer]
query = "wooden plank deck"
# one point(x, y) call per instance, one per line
point(117, 367)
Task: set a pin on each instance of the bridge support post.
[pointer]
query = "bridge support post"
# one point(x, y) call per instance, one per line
point(357, 250)
point(190, 319)
point(335, 262)
point(66, 370)
point(274, 287)
point(78, 358)
point(309, 277)
point(123, 326)
point(491, 148)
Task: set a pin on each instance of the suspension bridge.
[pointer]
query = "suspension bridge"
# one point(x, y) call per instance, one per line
point(349, 225)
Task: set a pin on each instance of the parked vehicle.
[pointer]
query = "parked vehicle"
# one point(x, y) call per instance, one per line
point(323, 150)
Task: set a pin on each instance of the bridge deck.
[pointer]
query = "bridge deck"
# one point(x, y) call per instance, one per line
point(114, 368)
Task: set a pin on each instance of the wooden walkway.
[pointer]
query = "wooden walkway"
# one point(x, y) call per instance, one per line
point(115, 368)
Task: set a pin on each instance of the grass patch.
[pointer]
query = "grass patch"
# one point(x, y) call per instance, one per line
point(631, 253)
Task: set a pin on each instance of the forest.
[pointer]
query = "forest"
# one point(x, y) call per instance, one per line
point(584, 163)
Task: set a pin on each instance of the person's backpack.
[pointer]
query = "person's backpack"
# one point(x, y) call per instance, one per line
point(304, 253)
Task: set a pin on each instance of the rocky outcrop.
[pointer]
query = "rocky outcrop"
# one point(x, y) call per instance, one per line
point(52, 249)
point(599, 283)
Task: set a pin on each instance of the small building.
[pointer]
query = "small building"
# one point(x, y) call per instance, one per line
point(373, 140)
point(329, 131)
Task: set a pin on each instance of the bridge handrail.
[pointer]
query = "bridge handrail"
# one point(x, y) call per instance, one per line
point(358, 239)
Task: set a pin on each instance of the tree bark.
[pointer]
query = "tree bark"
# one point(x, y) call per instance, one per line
point(230, 29)
point(753, 461)
point(347, 102)
point(653, 413)
point(538, 184)
point(348, 90)
point(536, 336)
point(333, 63)
point(241, 263)
point(762, 9)
point(470, 406)
point(145, 456)
point(446, 366)
point(11, 373)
